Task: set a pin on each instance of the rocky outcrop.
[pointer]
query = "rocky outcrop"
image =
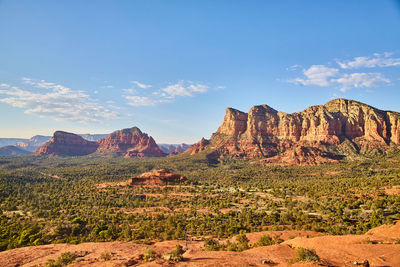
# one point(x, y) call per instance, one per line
point(67, 144)
point(157, 177)
point(337, 128)
point(198, 147)
point(131, 143)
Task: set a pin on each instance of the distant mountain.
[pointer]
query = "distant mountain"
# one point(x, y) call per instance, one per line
point(13, 151)
point(130, 143)
point(33, 143)
point(67, 144)
point(173, 148)
point(11, 141)
point(38, 140)
point(93, 137)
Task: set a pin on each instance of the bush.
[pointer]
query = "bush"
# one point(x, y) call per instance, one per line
point(105, 256)
point(65, 259)
point(149, 255)
point(229, 246)
point(304, 254)
point(265, 240)
point(211, 244)
point(176, 254)
point(242, 242)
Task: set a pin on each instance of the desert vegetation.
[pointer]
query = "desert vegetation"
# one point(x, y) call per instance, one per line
point(81, 199)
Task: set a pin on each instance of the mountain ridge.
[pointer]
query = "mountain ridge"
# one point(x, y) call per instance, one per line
point(336, 129)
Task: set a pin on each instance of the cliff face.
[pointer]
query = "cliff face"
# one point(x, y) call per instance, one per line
point(131, 143)
point(339, 126)
point(67, 144)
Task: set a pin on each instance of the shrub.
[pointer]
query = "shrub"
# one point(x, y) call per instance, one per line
point(211, 244)
point(65, 259)
point(149, 255)
point(105, 256)
point(243, 242)
point(176, 254)
point(231, 246)
point(265, 240)
point(304, 254)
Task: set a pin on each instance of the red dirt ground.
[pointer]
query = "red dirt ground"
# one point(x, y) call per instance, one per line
point(380, 246)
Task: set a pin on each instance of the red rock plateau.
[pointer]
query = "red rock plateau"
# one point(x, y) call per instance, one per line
point(157, 177)
point(379, 246)
point(318, 134)
point(67, 144)
point(131, 143)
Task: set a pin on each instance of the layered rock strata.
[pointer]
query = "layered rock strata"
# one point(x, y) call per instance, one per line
point(338, 128)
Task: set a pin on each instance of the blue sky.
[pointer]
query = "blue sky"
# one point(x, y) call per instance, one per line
point(172, 67)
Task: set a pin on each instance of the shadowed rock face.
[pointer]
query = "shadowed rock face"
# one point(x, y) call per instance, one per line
point(131, 143)
point(339, 126)
point(67, 144)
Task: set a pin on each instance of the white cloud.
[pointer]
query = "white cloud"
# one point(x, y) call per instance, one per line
point(179, 89)
point(164, 95)
point(378, 60)
point(141, 85)
point(344, 78)
point(107, 86)
point(57, 102)
point(358, 80)
point(317, 75)
point(293, 67)
point(140, 101)
point(129, 91)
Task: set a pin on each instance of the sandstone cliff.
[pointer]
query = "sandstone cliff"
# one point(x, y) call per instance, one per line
point(67, 144)
point(131, 143)
point(338, 128)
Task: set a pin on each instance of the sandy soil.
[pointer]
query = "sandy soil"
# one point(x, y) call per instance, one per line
point(380, 246)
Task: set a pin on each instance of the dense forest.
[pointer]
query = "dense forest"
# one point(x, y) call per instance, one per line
point(79, 199)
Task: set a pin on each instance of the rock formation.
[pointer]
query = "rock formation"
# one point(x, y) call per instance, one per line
point(67, 144)
point(336, 129)
point(33, 143)
point(198, 147)
point(131, 143)
point(157, 177)
point(173, 148)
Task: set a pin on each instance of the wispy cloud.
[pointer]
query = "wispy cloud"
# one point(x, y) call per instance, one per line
point(141, 85)
point(342, 76)
point(55, 101)
point(165, 94)
point(377, 60)
point(140, 101)
point(359, 80)
point(179, 89)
